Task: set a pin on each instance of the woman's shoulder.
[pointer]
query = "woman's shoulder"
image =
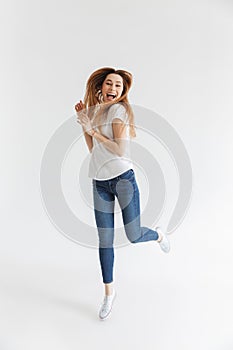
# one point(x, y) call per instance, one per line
point(117, 107)
point(117, 110)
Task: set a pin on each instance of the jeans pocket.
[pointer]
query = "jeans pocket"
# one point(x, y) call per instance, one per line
point(127, 175)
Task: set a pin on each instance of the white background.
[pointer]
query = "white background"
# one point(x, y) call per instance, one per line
point(180, 54)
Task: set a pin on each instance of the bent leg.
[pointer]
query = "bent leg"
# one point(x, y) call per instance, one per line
point(129, 200)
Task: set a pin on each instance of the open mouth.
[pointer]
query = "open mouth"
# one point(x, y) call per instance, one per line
point(111, 96)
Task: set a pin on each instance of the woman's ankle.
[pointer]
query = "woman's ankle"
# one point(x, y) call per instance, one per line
point(109, 288)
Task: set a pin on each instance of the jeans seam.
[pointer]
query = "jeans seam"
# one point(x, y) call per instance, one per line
point(137, 209)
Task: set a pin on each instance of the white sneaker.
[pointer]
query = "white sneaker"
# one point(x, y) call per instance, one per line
point(106, 306)
point(164, 243)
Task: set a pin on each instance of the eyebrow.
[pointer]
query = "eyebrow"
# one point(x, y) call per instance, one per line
point(118, 81)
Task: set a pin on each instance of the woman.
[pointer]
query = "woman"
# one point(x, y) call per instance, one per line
point(108, 124)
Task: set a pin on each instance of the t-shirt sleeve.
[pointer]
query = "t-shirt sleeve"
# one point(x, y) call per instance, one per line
point(117, 111)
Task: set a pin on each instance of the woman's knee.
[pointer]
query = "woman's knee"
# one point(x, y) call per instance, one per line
point(132, 237)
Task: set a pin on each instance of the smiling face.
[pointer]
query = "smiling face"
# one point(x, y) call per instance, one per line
point(112, 87)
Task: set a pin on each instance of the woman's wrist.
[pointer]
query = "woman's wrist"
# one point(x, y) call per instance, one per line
point(93, 131)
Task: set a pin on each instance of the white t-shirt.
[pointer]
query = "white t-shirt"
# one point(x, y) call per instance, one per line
point(104, 164)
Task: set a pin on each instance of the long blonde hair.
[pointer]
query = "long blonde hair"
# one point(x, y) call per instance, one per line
point(93, 96)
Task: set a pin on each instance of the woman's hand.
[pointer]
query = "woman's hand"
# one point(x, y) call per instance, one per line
point(86, 124)
point(79, 107)
point(83, 119)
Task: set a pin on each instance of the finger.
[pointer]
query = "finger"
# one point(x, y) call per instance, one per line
point(79, 111)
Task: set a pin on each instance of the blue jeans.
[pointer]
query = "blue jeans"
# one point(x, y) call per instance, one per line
point(125, 188)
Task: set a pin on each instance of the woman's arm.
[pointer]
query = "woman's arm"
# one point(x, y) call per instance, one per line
point(117, 146)
point(79, 107)
point(89, 140)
